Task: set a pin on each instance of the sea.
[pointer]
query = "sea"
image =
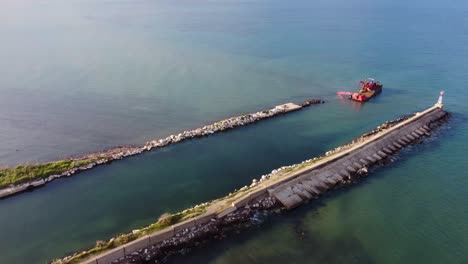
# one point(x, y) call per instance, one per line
point(79, 76)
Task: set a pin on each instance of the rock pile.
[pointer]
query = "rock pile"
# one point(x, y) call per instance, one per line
point(311, 102)
point(219, 126)
point(118, 153)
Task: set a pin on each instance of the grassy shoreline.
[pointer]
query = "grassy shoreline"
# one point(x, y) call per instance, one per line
point(30, 172)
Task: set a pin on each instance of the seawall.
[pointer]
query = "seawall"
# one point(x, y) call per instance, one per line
point(292, 185)
point(357, 160)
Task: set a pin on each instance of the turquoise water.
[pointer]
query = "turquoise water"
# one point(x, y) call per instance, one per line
point(84, 75)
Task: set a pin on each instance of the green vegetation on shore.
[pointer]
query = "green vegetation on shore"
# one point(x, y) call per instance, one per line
point(25, 173)
point(166, 220)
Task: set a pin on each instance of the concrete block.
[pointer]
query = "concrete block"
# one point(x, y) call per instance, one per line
point(335, 169)
point(184, 225)
point(415, 135)
point(327, 173)
point(314, 181)
point(322, 186)
point(396, 144)
point(338, 178)
point(292, 201)
point(256, 194)
point(363, 161)
point(350, 169)
point(303, 186)
point(410, 137)
point(371, 159)
point(321, 176)
point(424, 131)
point(331, 181)
point(270, 191)
point(357, 166)
point(110, 256)
point(242, 201)
point(402, 143)
point(287, 198)
point(308, 187)
point(419, 132)
point(205, 218)
point(281, 194)
point(311, 187)
point(345, 174)
point(316, 191)
point(393, 148)
point(376, 156)
point(297, 189)
point(358, 159)
point(161, 235)
point(136, 245)
point(406, 140)
point(381, 154)
point(226, 211)
point(386, 150)
point(306, 195)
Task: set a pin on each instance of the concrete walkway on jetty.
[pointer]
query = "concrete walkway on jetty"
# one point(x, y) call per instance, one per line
point(118, 153)
point(293, 185)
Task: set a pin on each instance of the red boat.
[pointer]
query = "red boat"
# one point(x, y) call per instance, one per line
point(369, 88)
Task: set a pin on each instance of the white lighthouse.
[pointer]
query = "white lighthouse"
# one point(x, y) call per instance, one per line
point(440, 103)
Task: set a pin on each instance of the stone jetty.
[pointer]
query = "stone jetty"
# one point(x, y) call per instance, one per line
point(354, 161)
point(117, 153)
point(286, 187)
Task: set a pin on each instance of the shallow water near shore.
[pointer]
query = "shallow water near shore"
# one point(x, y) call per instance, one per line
point(85, 75)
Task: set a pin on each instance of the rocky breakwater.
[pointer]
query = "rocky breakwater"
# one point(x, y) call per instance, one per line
point(215, 229)
point(227, 124)
point(349, 163)
point(92, 160)
point(79, 164)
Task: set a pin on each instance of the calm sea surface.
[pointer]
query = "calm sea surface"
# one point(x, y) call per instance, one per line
point(83, 75)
